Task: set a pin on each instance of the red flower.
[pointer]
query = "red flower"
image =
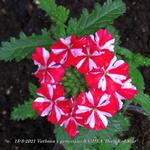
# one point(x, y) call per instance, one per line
point(48, 71)
point(52, 102)
point(109, 75)
point(107, 78)
point(71, 120)
point(127, 90)
point(104, 40)
point(94, 106)
point(88, 58)
point(64, 49)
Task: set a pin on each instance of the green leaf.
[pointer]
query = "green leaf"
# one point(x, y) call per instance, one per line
point(137, 77)
point(138, 59)
point(101, 16)
point(141, 60)
point(58, 14)
point(24, 46)
point(125, 52)
point(58, 30)
point(143, 100)
point(125, 145)
point(116, 125)
point(24, 111)
point(105, 146)
point(32, 90)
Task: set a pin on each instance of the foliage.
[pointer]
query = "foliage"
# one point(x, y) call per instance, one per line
point(24, 46)
point(117, 124)
point(56, 13)
point(24, 111)
point(101, 16)
point(32, 90)
point(89, 22)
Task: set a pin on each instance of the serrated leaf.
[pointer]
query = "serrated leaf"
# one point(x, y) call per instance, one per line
point(58, 14)
point(138, 59)
point(101, 16)
point(104, 146)
point(58, 30)
point(24, 46)
point(137, 77)
point(143, 100)
point(32, 90)
point(116, 125)
point(141, 60)
point(24, 111)
point(125, 145)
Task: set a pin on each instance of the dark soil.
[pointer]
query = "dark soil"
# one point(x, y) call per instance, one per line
point(23, 15)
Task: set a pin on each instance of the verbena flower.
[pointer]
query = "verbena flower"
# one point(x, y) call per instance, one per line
point(104, 40)
point(107, 79)
point(109, 75)
point(71, 120)
point(63, 49)
point(48, 71)
point(94, 106)
point(51, 102)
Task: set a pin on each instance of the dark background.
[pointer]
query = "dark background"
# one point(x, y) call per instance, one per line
point(23, 15)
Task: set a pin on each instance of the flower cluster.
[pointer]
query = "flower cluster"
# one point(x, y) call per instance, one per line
point(107, 79)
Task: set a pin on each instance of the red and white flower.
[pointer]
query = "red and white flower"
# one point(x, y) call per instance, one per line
point(48, 71)
point(94, 106)
point(64, 49)
point(127, 90)
point(88, 58)
point(52, 102)
point(107, 78)
point(109, 75)
point(104, 40)
point(71, 120)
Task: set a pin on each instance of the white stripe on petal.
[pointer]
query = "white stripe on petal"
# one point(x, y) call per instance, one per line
point(45, 55)
point(91, 120)
point(111, 63)
point(97, 39)
point(66, 41)
point(60, 99)
point(80, 63)
point(52, 78)
point(82, 109)
point(117, 77)
point(96, 53)
point(58, 51)
point(62, 61)
point(108, 45)
point(103, 118)
point(119, 100)
point(59, 112)
point(46, 111)
point(41, 100)
point(103, 100)
point(118, 63)
point(50, 90)
point(90, 97)
point(102, 83)
point(77, 52)
point(92, 64)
